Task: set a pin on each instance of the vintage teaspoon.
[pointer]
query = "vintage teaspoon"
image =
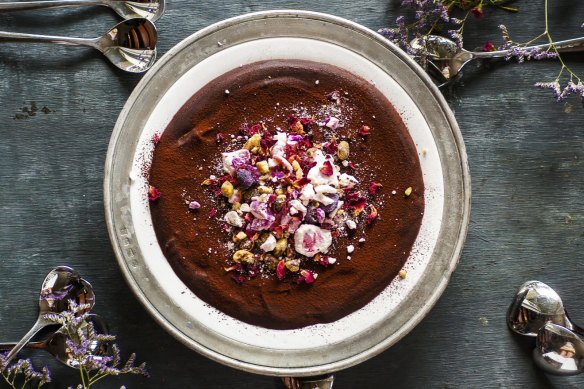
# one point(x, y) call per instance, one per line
point(130, 45)
point(559, 351)
point(60, 285)
point(446, 56)
point(56, 343)
point(149, 9)
point(534, 305)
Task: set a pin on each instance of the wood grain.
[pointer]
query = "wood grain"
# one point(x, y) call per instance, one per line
point(526, 155)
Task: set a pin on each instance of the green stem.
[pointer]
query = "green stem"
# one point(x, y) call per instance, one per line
point(7, 381)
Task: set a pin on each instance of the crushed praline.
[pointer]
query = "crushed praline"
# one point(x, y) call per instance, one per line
point(286, 198)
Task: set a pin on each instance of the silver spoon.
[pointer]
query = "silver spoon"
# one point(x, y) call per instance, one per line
point(149, 9)
point(60, 285)
point(559, 351)
point(534, 305)
point(322, 382)
point(130, 45)
point(56, 343)
point(446, 57)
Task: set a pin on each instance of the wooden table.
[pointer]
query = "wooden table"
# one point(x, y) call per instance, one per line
point(526, 152)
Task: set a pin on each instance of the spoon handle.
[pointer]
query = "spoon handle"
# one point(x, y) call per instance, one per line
point(568, 46)
point(33, 38)
point(32, 345)
point(28, 5)
point(39, 325)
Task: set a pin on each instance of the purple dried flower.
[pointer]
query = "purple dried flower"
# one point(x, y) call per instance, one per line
point(554, 86)
point(245, 178)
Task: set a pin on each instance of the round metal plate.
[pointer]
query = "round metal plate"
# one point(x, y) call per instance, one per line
point(250, 38)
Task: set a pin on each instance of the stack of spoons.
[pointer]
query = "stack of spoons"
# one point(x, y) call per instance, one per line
point(538, 311)
point(62, 285)
point(129, 45)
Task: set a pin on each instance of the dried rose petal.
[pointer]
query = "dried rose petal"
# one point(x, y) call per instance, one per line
point(240, 279)
point(352, 166)
point(374, 187)
point(220, 137)
point(256, 128)
point(306, 276)
point(331, 147)
point(281, 269)
point(155, 139)
point(212, 212)
point(372, 214)
point(153, 193)
point(327, 168)
point(364, 131)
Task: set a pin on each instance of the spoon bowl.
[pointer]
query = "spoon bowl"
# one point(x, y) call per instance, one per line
point(558, 350)
point(60, 285)
point(535, 304)
point(442, 54)
point(129, 45)
point(56, 343)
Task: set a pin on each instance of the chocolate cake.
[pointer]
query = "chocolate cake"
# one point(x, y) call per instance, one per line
point(286, 193)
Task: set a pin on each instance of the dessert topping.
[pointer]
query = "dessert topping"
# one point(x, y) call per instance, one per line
point(286, 198)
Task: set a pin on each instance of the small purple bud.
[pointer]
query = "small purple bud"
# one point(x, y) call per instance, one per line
point(245, 178)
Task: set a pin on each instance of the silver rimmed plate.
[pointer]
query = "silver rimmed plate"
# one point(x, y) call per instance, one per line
point(311, 36)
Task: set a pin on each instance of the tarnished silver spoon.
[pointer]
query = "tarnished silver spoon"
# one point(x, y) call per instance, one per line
point(534, 305)
point(60, 285)
point(56, 343)
point(149, 9)
point(449, 59)
point(130, 45)
point(559, 350)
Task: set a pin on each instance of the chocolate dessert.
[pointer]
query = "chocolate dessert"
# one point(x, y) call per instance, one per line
point(286, 193)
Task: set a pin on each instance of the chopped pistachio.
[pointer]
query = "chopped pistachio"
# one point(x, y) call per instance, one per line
point(343, 150)
point(408, 191)
point(263, 167)
point(227, 189)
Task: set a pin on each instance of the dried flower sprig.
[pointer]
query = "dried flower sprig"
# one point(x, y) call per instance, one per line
point(21, 373)
point(435, 17)
point(566, 82)
point(82, 339)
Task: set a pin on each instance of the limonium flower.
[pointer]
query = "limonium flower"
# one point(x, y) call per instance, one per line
point(435, 17)
point(94, 363)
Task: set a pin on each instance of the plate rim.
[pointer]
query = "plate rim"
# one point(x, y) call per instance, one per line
point(287, 370)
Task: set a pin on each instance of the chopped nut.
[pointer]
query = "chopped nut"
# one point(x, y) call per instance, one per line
point(240, 235)
point(295, 165)
point(408, 191)
point(293, 265)
point(252, 142)
point(263, 167)
point(227, 189)
point(281, 246)
point(265, 190)
point(243, 256)
point(343, 150)
point(403, 274)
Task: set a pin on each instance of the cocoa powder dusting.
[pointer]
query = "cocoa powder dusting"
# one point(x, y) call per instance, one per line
point(268, 92)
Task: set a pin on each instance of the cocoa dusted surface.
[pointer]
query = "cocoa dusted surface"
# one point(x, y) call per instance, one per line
point(195, 244)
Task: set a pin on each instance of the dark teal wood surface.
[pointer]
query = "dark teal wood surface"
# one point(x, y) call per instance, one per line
point(526, 155)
